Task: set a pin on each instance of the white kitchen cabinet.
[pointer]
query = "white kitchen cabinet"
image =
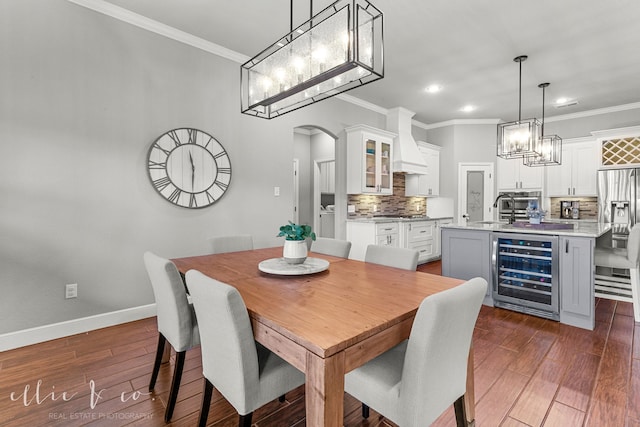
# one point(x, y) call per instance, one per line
point(425, 185)
point(437, 235)
point(419, 235)
point(512, 174)
point(577, 298)
point(328, 177)
point(369, 160)
point(364, 233)
point(577, 174)
point(467, 254)
point(327, 224)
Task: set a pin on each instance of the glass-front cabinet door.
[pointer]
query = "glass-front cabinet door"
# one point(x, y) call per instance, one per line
point(369, 160)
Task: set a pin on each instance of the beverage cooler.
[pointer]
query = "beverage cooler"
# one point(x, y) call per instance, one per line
point(525, 274)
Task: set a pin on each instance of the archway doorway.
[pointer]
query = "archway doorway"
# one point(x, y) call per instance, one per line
point(314, 178)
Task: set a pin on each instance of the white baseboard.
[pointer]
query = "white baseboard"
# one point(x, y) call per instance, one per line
point(40, 334)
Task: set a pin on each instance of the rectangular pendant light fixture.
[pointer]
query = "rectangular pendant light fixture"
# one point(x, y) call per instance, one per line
point(522, 137)
point(519, 139)
point(336, 50)
point(550, 153)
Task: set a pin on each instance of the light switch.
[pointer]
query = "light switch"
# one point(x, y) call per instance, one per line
point(276, 191)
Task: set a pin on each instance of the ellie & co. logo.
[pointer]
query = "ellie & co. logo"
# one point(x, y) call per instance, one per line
point(33, 397)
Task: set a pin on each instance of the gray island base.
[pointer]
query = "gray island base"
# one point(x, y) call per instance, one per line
point(546, 271)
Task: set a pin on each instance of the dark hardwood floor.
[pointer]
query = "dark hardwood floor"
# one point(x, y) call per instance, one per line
point(528, 372)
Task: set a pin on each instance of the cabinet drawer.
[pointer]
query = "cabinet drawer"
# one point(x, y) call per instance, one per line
point(387, 240)
point(387, 228)
point(425, 249)
point(420, 231)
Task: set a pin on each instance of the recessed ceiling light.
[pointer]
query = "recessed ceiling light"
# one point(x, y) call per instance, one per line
point(565, 102)
point(468, 108)
point(433, 89)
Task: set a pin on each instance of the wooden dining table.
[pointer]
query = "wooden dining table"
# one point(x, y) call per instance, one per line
point(327, 323)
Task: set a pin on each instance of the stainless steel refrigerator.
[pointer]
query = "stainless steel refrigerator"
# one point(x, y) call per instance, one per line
point(618, 202)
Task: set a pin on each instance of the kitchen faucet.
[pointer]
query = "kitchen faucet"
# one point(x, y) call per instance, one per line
point(512, 217)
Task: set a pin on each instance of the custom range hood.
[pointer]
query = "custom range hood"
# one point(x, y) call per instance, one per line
point(406, 156)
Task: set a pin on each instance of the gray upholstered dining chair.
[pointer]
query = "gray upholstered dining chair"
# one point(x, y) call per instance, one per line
point(246, 373)
point(392, 256)
point(615, 287)
point(414, 382)
point(240, 242)
point(176, 321)
point(329, 246)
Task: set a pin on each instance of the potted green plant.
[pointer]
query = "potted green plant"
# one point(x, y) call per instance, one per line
point(295, 243)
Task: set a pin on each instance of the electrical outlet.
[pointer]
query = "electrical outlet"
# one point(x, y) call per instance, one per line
point(71, 290)
point(276, 191)
point(351, 209)
point(375, 208)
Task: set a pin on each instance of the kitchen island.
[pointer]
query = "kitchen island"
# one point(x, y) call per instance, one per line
point(546, 270)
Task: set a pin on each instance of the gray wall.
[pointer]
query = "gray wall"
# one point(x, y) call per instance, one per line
point(461, 144)
point(82, 97)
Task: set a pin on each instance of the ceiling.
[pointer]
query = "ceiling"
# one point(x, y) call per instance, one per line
point(589, 50)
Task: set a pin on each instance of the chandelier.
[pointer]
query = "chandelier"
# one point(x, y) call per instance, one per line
point(550, 145)
point(336, 50)
point(520, 138)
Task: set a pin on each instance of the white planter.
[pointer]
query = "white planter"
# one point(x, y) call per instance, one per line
point(294, 251)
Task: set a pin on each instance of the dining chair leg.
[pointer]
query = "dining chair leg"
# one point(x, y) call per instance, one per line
point(158, 361)
point(175, 385)
point(245, 420)
point(365, 411)
point(206, 401)
point(461, 414)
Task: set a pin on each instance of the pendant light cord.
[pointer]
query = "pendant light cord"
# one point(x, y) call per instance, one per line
point(542, 126)
point(520, 59)
point(291, 13)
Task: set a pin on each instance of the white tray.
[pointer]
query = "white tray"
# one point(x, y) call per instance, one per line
point(281, 267)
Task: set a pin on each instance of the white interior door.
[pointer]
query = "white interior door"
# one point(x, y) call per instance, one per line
point(475, 192)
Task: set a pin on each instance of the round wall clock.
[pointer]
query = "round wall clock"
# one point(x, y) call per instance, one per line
point(189, 168)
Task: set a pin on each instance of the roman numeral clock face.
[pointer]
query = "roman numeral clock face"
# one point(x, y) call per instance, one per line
point(189, 168)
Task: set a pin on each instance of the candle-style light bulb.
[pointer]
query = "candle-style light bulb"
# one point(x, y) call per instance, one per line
point(298, 65)
point(320, 55)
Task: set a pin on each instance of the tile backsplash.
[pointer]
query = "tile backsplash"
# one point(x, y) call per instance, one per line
point(588, 207)
point(396, 204)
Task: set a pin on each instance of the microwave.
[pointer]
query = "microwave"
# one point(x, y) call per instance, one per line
point(521, 199)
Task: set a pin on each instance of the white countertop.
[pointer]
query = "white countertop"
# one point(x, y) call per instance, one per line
point(378, 219)
point(581, 228)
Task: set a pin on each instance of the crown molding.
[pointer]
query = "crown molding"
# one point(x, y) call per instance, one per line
point(617, 133)
point(457, 122)
point(362, 103)
point(159, 28)
point(597, 111)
